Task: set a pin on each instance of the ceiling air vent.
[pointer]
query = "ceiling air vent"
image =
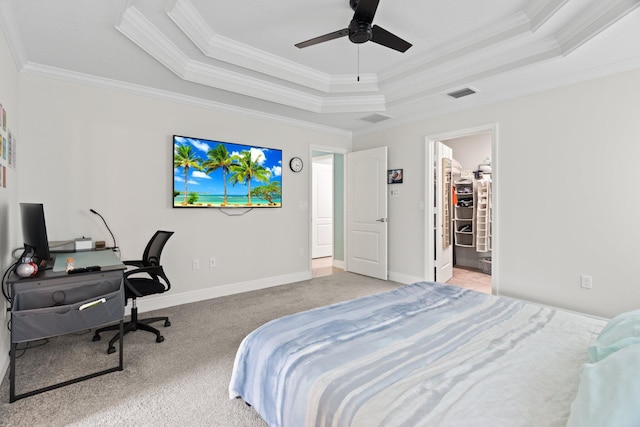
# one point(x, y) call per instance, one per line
point(462, 92)
point(375, 118)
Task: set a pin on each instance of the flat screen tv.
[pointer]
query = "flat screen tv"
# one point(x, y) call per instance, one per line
point(34, 233)
point(217, 174)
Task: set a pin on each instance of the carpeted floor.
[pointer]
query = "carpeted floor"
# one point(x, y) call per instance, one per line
point(182, 381)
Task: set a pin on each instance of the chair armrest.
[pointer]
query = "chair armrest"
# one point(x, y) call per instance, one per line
point(153, 271)
point(134, 263)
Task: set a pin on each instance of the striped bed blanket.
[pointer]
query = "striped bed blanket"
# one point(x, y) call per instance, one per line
point(426, 354)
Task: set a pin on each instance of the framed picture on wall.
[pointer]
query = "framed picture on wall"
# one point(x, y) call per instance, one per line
point(394, 176)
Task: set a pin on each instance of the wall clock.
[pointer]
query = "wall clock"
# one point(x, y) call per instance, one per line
point(295, 164)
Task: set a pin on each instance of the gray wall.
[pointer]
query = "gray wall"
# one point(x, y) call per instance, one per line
point(562, 162)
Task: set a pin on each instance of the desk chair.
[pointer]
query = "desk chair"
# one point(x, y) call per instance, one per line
point(146, 278)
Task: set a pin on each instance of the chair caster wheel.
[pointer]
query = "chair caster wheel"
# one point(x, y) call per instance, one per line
point(167, 323)
point(160, 339)
point(96, 337)
point(111, 350)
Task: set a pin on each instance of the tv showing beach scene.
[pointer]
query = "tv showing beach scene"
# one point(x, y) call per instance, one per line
point(217, 174)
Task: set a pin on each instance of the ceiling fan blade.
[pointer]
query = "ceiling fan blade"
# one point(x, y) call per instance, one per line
point(366, 10)
point(390, 40)
point(325, 38)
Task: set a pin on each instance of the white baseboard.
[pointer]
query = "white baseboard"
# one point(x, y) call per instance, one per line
point(339, 264)
point(403, 278)
point(172, 298)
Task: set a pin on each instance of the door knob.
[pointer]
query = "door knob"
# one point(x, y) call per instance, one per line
point(381, 220)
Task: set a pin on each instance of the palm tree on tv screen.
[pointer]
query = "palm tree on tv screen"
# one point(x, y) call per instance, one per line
point(244, 169)
point(218, 158)
point(185, 158)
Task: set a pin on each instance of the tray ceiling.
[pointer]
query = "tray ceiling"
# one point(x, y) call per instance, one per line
point(241, 56)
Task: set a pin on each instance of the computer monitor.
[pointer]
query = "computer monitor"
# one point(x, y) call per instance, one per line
point(34, 232)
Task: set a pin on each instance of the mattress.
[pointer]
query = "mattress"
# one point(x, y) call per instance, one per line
point(426, 354)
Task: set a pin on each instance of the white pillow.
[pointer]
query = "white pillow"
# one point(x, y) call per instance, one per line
point(609, 392)
point(622, 331)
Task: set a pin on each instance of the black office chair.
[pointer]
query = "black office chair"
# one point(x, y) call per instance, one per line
point(147, 278)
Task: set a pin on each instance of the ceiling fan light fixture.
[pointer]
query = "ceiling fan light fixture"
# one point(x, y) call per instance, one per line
point(360, 31)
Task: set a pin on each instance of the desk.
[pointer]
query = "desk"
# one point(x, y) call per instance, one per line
point(49, 305)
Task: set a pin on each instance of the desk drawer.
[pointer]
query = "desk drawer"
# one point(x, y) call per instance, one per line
point(38, 323)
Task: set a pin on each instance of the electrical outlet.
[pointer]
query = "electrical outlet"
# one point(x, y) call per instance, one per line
point(195, 264)
point(212, 262)
point(586, 282)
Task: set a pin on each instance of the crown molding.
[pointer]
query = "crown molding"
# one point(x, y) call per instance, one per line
point(139, 90)
point(215, 46)
point(345, 83)
point(459, 66)
point(499, 48)
point(540, 11)
point(518, 25)
point(354, 104)
point(592, 21)
point(137, 28)
point(561, 80)
point(526, 38)
point(522, 25)
point(469, 69)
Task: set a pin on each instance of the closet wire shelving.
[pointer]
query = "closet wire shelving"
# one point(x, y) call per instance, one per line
point(464, 217)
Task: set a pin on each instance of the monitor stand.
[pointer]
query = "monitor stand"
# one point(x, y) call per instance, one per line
point(46, 264)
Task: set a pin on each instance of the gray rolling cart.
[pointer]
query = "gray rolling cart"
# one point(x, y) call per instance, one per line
point(57, 303)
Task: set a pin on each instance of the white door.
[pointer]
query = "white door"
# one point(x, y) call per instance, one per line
point(367, 212)
point(441, 209)
point(322, 207)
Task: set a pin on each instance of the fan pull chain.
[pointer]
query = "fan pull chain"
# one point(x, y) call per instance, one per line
point(358, 62)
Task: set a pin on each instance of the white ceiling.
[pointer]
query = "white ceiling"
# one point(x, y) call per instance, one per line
point(241, 55)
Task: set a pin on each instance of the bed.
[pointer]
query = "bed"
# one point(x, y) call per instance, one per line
point(428, 354)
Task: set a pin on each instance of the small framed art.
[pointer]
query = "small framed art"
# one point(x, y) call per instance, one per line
point(394, 176)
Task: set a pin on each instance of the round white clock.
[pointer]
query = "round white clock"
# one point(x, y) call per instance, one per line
point(295, 164)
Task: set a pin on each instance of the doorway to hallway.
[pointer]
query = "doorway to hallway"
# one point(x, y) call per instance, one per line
point(327, 201)
point(322, 206)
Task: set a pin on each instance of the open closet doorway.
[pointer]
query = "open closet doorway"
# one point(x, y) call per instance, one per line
point(471, 225)
point(327, 212)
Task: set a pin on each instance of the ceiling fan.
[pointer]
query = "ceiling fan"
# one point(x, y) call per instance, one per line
point(360, 29)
